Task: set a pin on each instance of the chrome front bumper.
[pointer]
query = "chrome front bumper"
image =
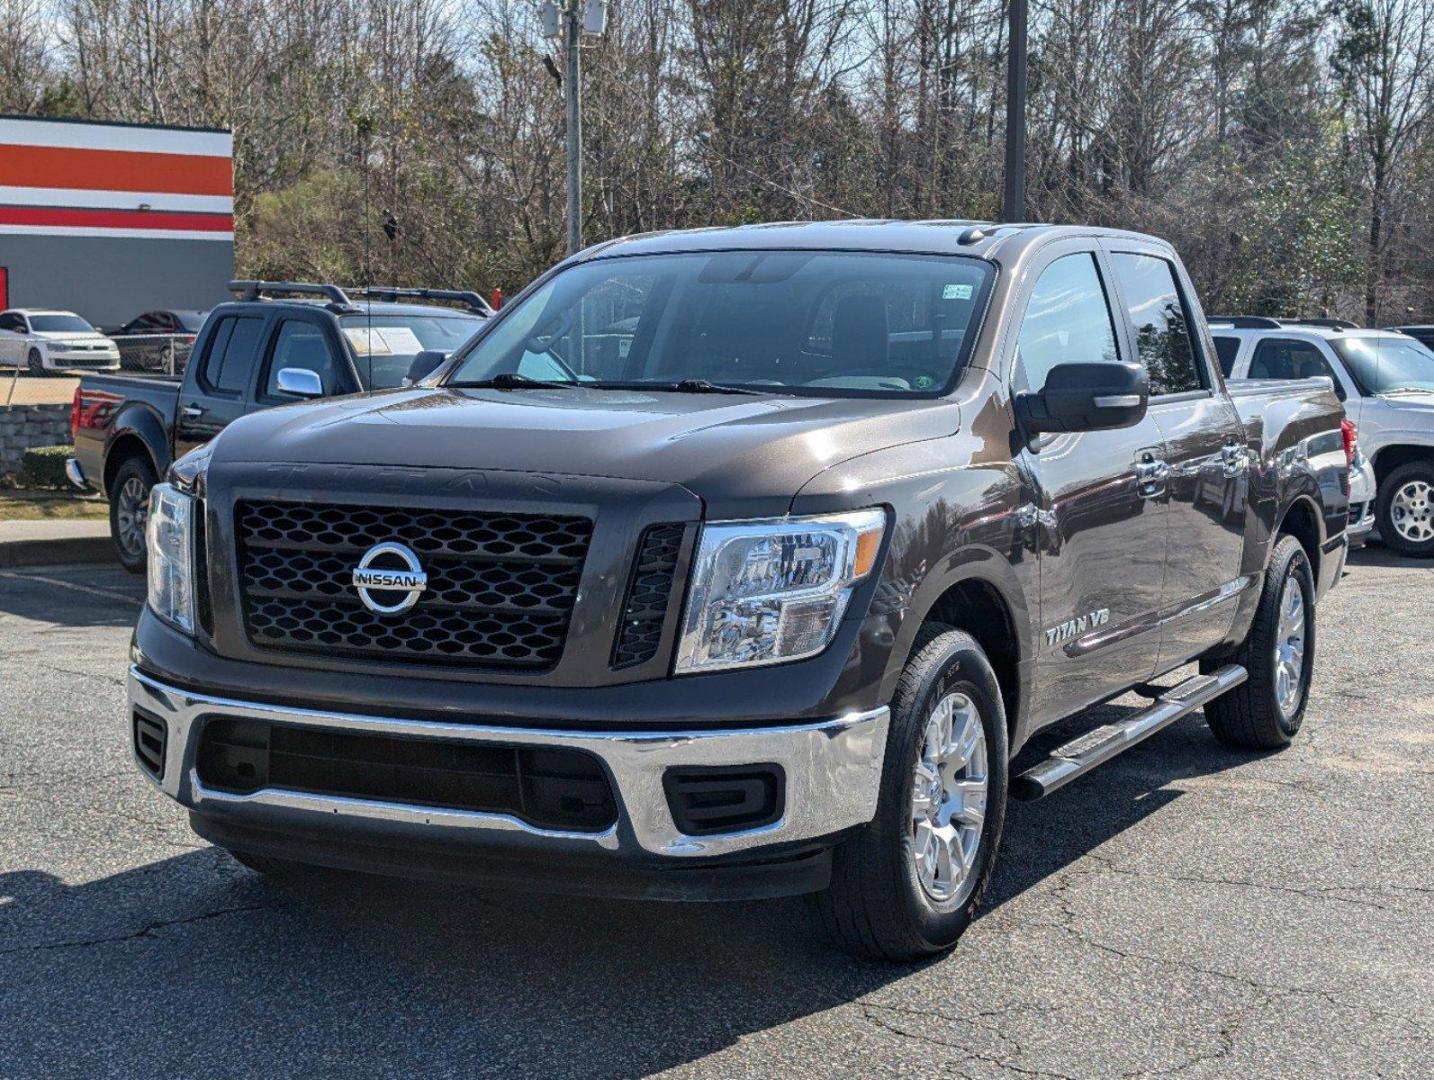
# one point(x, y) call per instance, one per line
point(832, 770)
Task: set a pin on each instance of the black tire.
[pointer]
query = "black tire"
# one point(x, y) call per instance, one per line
point(876, 906)
point(36, 364)
point(1415, 482)
point(129, 544)
point(1250, 716)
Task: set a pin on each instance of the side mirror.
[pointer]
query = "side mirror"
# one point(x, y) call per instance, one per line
point(300, 382)
point(424, 365)
point(1086, 397)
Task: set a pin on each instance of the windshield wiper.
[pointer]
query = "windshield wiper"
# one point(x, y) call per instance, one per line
point(512, 380)
point(702, 386)
point(1421, 390)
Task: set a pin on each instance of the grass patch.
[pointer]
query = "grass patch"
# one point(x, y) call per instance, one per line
point(20, 505)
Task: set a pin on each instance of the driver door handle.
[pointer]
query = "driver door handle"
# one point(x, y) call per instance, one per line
point(192, 412)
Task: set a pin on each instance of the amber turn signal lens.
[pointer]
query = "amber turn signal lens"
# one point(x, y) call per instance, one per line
point(867, 545)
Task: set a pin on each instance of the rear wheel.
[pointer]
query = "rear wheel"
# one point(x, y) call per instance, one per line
point(1266, 711)
point(1405, 509)
point(908, 884)
point(35, 363)
point(129, 511)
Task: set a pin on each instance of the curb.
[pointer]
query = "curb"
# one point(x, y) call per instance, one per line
point(76, 549)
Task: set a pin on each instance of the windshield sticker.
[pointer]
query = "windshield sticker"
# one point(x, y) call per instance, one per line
point(383, 341)
point(367, 342)
point(957, 292)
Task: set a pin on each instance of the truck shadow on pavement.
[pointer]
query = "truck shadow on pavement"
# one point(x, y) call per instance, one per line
point(192, 965)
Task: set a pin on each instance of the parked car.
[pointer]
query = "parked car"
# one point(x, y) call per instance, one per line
point(158, 340)
point(1424, 334)
point(256, 352)
point(740, 563)
point(1386, 381)
point(48, 342)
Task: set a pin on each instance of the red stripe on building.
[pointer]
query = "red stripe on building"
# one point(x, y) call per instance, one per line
point(115, 219)
point(115, 170)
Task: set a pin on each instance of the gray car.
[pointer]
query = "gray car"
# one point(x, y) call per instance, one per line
point(1385, 379)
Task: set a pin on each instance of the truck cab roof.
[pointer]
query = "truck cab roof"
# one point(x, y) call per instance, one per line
point(978, 239)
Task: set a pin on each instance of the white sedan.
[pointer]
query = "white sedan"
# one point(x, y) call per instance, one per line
point(52, 341)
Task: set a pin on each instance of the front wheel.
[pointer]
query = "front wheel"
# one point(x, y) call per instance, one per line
point(1405, 509)
point(908, 883)
point(129, 511)
point(1265, 711)
point(35, 363)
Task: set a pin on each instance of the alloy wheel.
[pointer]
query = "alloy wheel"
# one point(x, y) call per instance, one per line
point(1290, 648)
point(1412, 511)
point(948, 799)
point(131, 513)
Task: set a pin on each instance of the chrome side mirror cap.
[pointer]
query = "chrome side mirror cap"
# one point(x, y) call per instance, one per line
point(300, 382)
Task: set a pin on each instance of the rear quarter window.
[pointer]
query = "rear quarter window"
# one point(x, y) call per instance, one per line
point(1227, 348)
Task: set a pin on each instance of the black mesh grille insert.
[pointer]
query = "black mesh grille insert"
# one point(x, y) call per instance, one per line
point(500, 586)
point(548, 787)
point(648, 592)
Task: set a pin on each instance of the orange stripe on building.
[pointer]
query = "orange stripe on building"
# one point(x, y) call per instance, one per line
point(115, 170)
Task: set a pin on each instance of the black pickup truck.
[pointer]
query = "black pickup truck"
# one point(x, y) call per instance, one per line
point(739, 563)
point(128, 428)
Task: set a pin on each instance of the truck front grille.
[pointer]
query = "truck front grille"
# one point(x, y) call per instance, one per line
point(500, 589)
point(550, 787)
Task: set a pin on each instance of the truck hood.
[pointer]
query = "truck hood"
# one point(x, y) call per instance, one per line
point(721, 446)
point(1421, 402)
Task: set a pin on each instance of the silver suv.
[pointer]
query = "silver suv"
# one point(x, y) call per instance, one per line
point(1385, 379)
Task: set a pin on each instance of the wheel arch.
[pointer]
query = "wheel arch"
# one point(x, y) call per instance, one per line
point(1389, 458)
point(984, 599)
point(127, 442)
point(1301, 520)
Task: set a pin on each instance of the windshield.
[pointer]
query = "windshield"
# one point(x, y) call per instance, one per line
point(1383, 365)
point(60, 324)
point(384, 345)
point(817, 323)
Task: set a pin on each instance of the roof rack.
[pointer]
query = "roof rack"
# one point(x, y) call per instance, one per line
point(1247, 322)
point(392, 294)
point(255, 290)
point(1332, 324)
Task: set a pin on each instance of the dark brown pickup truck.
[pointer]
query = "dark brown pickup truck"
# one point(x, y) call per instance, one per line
point(741, 563)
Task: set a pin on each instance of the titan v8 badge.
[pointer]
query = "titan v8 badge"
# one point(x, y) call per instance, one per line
point(1073, 628)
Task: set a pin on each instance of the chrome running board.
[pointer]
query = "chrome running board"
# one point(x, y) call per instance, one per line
point(1084, 753)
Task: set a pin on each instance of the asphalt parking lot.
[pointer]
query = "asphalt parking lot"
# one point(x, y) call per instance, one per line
point(1185, 910)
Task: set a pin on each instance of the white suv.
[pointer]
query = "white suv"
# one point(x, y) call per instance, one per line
point(51, 341)
point(1386, 381)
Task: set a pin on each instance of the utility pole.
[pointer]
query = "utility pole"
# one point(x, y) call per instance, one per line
point(572, 87)
point(1013, 205)
point(571, 21)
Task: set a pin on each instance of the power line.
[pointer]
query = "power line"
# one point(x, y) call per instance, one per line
point(703, 142)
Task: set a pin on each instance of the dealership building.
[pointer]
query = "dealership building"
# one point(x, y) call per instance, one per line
point(112, 220)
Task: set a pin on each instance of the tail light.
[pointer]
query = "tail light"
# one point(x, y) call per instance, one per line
point(75, 414)
point(1350, 433)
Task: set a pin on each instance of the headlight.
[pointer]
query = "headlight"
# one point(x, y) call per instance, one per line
point(768, 591)
point(169, 533)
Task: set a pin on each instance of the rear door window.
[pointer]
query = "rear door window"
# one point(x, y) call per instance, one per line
point(1164, 338)
point(232, 353)
point(1289, 358)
